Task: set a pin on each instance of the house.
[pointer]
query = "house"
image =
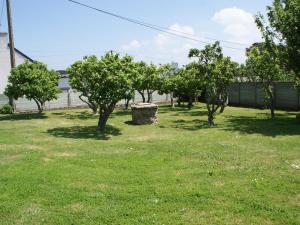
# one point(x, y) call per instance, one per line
point(63, 82)
point(5, 65)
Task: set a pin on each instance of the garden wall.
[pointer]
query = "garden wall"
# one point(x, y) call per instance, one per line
point(252, 95)
point(68, 99)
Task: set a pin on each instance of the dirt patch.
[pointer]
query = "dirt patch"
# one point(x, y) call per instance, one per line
point(7, 159)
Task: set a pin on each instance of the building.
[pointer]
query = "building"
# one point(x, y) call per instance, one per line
point(5, 65)
point(63, 82)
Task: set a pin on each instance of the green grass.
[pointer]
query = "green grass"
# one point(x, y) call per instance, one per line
point(55, 169)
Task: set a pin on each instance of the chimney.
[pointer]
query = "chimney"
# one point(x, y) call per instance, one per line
point(3, 40)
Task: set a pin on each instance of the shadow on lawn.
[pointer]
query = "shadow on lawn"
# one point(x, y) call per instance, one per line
point(25, 116)
point(85, 115)
point(191, 125)
point(80, 132)
point(281, 125)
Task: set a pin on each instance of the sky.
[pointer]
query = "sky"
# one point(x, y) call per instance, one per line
point(58, 32)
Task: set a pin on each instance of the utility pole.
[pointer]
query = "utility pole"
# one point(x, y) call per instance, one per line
point(11, 44)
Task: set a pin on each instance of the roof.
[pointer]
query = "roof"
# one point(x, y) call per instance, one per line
point(22, 54)
point(63, 73)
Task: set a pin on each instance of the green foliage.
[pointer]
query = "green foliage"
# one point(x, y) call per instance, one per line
point(35, 82)
point(264, 66)
point(283, 28)
point(148, 79)
point(187, 83)
point(104, 82)
point(6, 109)
point(216, 72)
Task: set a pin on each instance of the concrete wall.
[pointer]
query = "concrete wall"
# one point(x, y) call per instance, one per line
point(68, 99)
point(252, 95)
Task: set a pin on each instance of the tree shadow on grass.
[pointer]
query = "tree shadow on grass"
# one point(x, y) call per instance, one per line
point(191, 125)
point(85, 115)
point(121, 112)
point(89, 132)
point(280, 126)
point(25, 116)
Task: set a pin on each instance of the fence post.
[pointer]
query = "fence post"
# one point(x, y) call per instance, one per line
point(275, 94)
point(255, 94)
point(239, 92)
point(298, 92)
point(69, 99)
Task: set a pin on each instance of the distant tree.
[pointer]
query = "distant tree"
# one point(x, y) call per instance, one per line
point(168, 81)
point(107, 80)
point(262, 65)
point(188, 83)
point(282, 32)
point(129, 95)
point(35, 82)
point(216, 73)
point(148, 79)
point(80, 80)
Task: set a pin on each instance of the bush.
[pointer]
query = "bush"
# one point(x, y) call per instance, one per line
point(6, 109)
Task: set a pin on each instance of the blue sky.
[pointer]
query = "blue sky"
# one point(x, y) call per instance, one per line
point(58, 32)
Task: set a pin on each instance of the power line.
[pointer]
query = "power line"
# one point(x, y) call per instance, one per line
point(154, 27)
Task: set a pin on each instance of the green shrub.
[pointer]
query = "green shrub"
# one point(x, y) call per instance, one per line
point(6, 109)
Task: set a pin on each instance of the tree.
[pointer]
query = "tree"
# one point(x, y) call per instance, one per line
point(216, 73)
point(35, 82)
point(263, 66)
point(147, 80)
point(283, 28)
point(80, 80)
point(188, 84)
point(129, 95)
point(107, 80)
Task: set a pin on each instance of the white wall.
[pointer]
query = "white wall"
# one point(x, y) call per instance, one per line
point(5, 61)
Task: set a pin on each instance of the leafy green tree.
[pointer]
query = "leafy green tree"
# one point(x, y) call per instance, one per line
point(283, 32)
point(188, 84)
point(216, 73)
point(129, 95)
point(35, 82)
point(80, 80)
point(107, 81)
point(263, 66)
point(148, 79)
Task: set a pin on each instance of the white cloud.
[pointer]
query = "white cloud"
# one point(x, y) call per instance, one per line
point(133, 45)
point(163, 48)
point(239, 25)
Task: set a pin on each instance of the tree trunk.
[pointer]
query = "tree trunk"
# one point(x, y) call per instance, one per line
point(102, 122)
point(127, 103)
point(210, 115)
point(272, 103)
point(179, 101)
point(103, 117)
point(39, 105)
point(143, 96)
point(91, 105)
point(190, 105)
point(210, 119)
point(224, 104)
point(149, 94)
point(172, 100)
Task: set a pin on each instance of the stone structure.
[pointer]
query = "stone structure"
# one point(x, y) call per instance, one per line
point(144, 113)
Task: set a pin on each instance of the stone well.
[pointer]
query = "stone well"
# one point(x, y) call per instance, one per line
point(144, 113)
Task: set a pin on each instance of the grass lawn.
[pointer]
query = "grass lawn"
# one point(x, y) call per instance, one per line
point(55, 169)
